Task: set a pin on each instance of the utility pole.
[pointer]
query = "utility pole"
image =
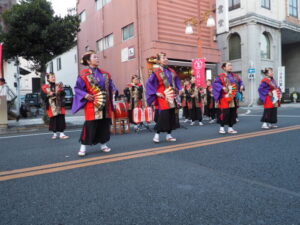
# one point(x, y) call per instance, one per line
point(17, 76)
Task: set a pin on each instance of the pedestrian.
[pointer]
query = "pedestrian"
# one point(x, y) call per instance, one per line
point(224, 90)
point(94, 92)
point(195, 102)
point(240, 87)
point(162, 87)
point(10, 97)
point(210, 110)
point(269, 94)
point(53, 95)
point(184, 95)
point(134, 97)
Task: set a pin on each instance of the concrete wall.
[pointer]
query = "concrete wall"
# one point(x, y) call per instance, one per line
point(250, 34)
point(277, 11)
point(291, 56)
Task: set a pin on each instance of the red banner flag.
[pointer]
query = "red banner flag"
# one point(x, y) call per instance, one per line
point(1, 63)
point(198, 66)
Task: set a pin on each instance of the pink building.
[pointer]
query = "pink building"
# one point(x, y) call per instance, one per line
point(127, 32)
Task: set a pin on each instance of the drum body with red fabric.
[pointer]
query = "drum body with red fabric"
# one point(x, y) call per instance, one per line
point(148, 114)
point(120, 110)
point(137, 115)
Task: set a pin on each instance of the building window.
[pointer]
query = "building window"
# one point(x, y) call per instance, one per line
point(101, 3)
point(293, 8)
point(58, 62)
point(235, 51)
point(51, 67)
point(105, 43)
point(265, 4)
point(234, 4)
point(265, 49)
point(128, 32)
point(82, 16)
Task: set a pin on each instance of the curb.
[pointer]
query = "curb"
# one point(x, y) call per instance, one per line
point(33, 128)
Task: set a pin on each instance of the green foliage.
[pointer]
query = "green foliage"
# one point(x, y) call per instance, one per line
point(34, 33)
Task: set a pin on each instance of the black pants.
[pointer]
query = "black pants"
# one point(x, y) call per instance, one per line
point(227, 117)
point(269, 116)
point(95, 131)
point(57, 123)
point(166, 121)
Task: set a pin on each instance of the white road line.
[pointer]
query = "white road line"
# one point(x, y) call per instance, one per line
point(287, 116)
point(39, 134)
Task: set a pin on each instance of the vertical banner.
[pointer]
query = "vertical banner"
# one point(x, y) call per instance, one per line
point(281, 78)
point(198, 66)
point(222, 16)
point(1, 61)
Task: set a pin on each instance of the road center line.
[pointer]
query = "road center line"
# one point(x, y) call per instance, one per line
point(52, 168)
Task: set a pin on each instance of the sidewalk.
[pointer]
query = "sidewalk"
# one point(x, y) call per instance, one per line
point(35, 124)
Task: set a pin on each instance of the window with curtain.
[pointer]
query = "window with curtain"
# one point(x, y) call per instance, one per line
point(265, 4)
point(234, 4)
point(101, 3)
point(235, 51)
point(265, 48)
point(128, 32)
point(58, 63)
point(105, 43)
point(293, 8)
point(82, 16)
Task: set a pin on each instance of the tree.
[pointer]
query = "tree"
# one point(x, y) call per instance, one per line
point(33, 32)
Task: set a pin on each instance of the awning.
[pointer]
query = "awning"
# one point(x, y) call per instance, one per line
point(189, 64)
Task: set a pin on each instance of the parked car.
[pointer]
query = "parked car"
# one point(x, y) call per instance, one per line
point(69, 95)
point(33, 99)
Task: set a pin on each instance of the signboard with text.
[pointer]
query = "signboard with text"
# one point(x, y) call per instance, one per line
point(281, 78)
point(222, 16)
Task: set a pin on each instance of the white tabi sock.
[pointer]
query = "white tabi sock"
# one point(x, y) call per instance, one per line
point(62, 134)
point(103, 146)
point(82, 148)
point(54, 134)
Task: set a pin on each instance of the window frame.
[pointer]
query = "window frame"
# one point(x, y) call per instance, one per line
point(268, 53)
point(123, 30)
point(232, 5)
point(101, 3)
point(81, 16)
point(105, 43)
point(293, 7)
point(51, 67)
point(263, 4)
point(239, 54)
point(58, 64)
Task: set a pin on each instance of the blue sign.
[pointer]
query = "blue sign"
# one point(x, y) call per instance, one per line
point(252, 70)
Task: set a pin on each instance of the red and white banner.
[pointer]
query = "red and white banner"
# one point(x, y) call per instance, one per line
point(1, 61)
point(198, 66)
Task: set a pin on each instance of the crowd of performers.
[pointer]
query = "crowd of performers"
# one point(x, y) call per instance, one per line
point(164, 91)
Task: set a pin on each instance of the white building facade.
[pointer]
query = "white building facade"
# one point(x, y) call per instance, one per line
point(65, 67)
point(263, 33)
point(27, 75)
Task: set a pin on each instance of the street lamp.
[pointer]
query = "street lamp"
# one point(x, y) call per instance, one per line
point(190, 22)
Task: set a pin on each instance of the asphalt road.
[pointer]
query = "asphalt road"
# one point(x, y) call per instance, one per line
point(203, 179)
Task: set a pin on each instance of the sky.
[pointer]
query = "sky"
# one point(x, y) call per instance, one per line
point(60, 6)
